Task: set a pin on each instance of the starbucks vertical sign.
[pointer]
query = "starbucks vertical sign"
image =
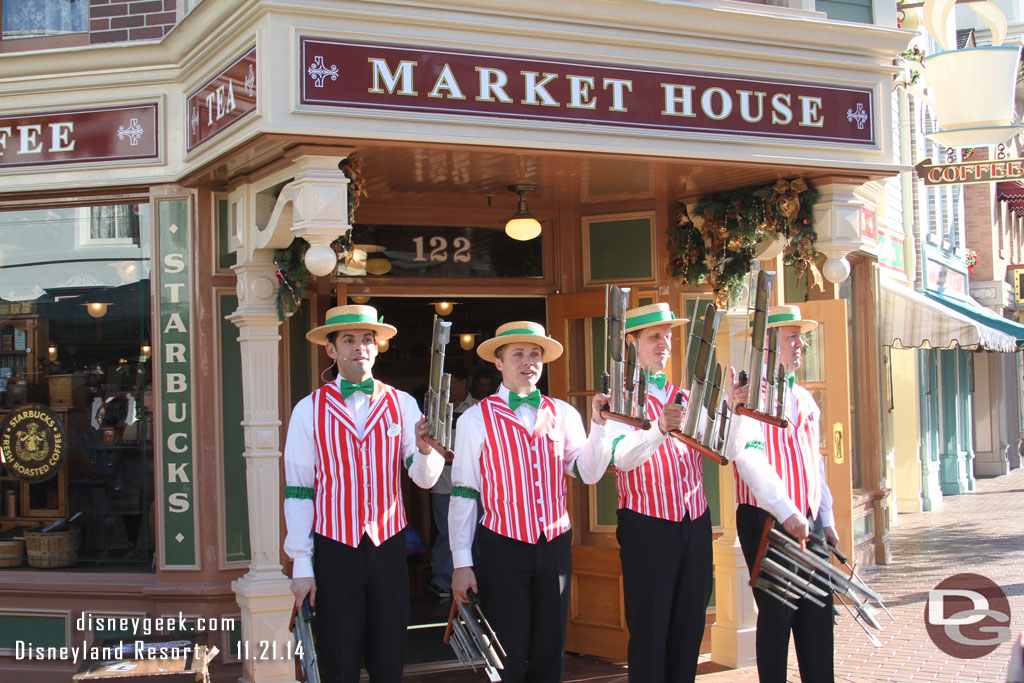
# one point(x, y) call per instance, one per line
point(177, 471)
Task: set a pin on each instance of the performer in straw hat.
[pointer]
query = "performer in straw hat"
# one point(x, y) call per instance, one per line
point(512, 452)
point(664, 526)
point(346, 445)
point(781, 472)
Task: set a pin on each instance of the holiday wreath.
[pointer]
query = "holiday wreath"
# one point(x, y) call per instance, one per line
point(732, 225)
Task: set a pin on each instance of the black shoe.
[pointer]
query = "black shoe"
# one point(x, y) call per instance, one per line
point(438, 592)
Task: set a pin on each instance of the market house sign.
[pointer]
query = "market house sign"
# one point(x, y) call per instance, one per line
point(61, 137)
point(967, 172)
point(222, 101)
point(347, 74)
point(32, 443)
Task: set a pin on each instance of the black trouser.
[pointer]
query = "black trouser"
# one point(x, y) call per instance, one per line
point(666, 580)
point(811, 625)
point(362, 608)
point(524, 593)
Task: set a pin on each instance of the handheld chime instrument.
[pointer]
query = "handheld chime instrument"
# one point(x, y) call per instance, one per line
point(766, 397)
point(705, 426)
point(789, 572)
point(623, 380)
point(472, 638)
point(436, 404)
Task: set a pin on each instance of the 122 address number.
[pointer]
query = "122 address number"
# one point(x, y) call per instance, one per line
point(439, 249)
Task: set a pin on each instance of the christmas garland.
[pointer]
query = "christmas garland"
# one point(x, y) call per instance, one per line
point(719, 250)
point(290, 262)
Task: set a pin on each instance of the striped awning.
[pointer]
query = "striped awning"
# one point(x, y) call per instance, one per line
point(910, 320)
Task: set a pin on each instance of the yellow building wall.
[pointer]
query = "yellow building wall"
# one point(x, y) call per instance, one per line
point(906, 431)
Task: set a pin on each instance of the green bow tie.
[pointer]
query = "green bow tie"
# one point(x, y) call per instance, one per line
point(515, 400)
point(348, 388)
point(790, 379)
point(657, 379)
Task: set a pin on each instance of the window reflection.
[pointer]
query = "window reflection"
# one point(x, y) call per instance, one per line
point(75, 337)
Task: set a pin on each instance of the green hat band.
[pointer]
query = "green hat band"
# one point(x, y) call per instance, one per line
point(353, 318)
point(780, 318)
point(655, 317)
point(521, 331)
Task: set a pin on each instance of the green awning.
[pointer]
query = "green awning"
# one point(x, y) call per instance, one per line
point(972, 309)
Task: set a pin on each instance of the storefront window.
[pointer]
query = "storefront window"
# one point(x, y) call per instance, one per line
point(75, 335)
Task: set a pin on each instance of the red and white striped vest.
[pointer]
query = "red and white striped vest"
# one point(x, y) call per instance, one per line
point(794, 453)
point(523, 476)
point(670, 483)
point(358, 485)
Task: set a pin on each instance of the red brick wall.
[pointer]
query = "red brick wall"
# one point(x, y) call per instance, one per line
point(114, 21)
point(982, 225)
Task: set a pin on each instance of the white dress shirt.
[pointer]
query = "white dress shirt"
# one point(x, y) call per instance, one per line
point(300, 467)
point(581, 453)
point(762, 479)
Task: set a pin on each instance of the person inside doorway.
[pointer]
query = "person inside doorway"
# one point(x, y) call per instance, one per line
point(483, 384)
point(780, 473)
point(440, 585)
point(512, 452)
point(346, 445)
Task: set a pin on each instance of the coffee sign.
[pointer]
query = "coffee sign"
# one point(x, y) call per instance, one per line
point(969, 172)
point(415, 79)
point(32, 443)
point(103, 134)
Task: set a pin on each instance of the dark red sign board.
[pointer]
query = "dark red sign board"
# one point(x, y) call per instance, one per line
point(83, 135)
point(222, 101)
point(348, 74)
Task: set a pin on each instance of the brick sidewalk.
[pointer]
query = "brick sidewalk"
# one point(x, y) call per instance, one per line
point(979, 533)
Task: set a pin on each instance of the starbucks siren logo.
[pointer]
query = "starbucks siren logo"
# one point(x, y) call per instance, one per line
point(32, 442)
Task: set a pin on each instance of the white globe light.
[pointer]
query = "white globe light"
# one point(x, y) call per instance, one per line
point(522, 229)
point(320, 259)
point(836, 269)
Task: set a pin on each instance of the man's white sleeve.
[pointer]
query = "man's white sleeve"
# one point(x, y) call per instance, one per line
point(300, 483)
point(585, 457)
point(745, 448)
point(466, 484)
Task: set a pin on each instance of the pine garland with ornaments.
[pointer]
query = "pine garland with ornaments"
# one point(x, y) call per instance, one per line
point(718, 246)
point(290, 262)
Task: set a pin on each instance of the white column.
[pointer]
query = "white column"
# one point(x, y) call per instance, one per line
point(732, 636)
point(263, 592)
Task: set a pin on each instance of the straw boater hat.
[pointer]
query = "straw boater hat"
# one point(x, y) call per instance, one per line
point(787, 316)
point(351, 318)
point(520, 331)
point(649, 316)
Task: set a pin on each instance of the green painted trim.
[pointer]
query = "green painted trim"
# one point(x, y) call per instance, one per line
point(39, 630)
point(465, 492)
point(615, 444)
point(235, 498)
point(299, 492)
point(408, 461)
point(576, 470)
